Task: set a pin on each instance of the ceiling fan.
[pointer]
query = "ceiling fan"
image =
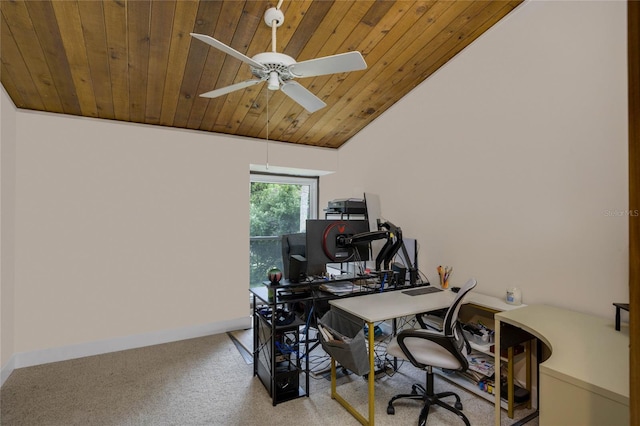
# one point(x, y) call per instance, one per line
point(280, 70)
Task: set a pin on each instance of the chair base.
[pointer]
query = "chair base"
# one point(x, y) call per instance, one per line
point(420, 393)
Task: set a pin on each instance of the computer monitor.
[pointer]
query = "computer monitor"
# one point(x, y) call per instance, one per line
point(325, 243)
point(293, 245)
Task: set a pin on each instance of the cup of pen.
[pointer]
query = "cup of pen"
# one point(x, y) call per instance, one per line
point(444, 273)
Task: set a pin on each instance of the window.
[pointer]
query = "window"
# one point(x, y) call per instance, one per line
point(279, 205)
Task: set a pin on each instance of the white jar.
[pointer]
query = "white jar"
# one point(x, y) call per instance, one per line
point(514, 296)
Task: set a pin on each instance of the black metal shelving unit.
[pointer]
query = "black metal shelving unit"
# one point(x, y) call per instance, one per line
point(279, 351)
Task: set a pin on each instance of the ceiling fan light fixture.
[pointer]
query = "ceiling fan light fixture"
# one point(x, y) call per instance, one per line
point(274, 81)
point(279, 70)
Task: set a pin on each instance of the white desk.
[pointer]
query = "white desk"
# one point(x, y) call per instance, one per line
point(393, 304)
point(584, 370)
point(377, 307)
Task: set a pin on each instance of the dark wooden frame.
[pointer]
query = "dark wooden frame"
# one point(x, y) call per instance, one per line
point(633, 46)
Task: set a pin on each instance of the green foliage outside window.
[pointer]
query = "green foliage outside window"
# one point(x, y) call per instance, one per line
point(276, 209)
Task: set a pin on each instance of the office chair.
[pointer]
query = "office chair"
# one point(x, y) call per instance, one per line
point(426, 349)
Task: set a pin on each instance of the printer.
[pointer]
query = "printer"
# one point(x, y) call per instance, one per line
point(347, 206)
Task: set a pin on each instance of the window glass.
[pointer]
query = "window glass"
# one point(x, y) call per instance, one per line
point(279, 205)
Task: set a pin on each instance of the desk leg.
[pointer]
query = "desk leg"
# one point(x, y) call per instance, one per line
point(510, 379)
point(372, 372)
point(527, 347)
point(497, 363)
point(371, 380)
point(333, 378)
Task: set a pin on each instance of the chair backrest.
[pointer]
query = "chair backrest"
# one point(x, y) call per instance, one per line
point(451, 339)
point(451, 317)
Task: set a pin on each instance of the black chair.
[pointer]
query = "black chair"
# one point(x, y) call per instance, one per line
point(426, 349)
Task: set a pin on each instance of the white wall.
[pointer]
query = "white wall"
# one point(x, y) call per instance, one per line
point(125, 232)
point(7, 216)
point(510, 163)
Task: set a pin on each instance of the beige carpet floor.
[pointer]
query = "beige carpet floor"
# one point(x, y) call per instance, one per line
point(204, 381)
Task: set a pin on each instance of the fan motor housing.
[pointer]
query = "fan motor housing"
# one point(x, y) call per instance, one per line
point(273, 61)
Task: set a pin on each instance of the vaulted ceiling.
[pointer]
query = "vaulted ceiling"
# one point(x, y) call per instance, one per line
point(135, 61)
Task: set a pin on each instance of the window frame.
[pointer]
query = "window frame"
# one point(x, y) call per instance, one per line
point(312, 181)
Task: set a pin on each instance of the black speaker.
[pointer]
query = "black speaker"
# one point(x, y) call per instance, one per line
point(297, 268)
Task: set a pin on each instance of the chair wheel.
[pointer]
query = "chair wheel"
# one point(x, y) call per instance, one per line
point(390, 410)
point(458, 405)
point(414, 390)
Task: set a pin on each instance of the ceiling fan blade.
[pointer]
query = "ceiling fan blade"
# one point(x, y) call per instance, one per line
point(228, 50)
point(344, 62)
point(298, 93)
point(229, 89)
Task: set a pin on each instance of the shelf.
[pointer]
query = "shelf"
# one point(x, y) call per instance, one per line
point(483, 314)
point(486, 349)
point(466, 384)
point(276, 357)
point(297, 322)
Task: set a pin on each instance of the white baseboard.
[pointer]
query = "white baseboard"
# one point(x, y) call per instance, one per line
point(45, 356)
point(7, 369)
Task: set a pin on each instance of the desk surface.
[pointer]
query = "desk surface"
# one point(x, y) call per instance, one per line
point(394, 304)
point(382, 306)
point(585, 350)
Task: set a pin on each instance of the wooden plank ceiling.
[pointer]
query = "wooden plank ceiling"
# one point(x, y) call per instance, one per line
point(134, 60)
